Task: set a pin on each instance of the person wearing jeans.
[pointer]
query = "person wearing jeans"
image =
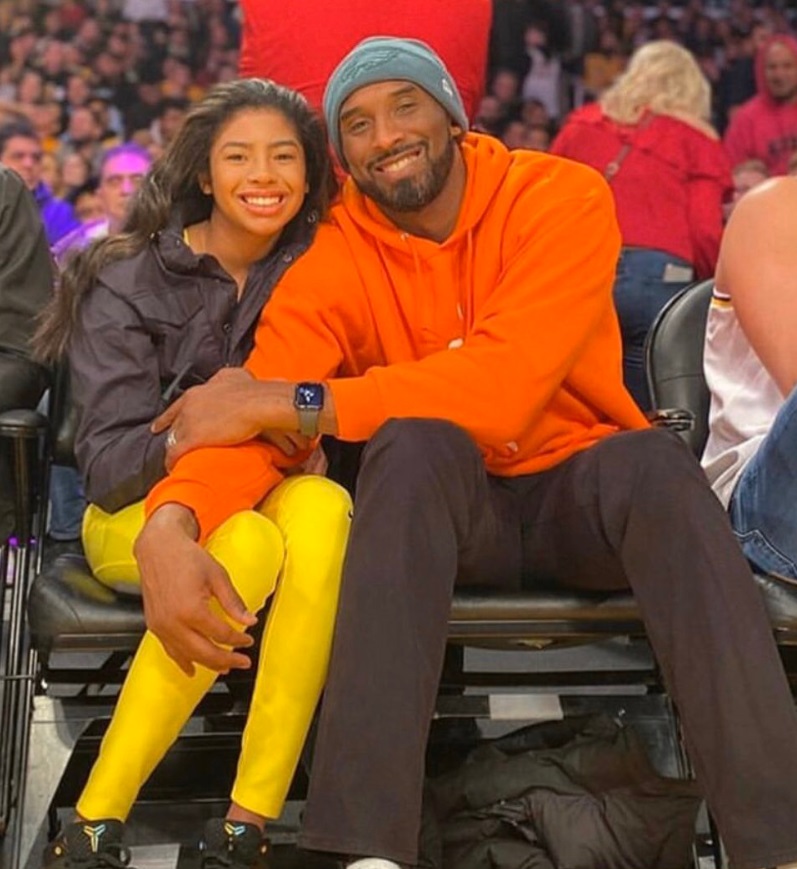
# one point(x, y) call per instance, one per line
point(646, 280)
point(650, 136)
point(751, 453)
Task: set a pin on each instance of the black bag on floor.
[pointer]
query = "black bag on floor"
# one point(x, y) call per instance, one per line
point(574, 794)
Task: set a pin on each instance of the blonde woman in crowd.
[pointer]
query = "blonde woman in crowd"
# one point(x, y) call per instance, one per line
point(650, 135)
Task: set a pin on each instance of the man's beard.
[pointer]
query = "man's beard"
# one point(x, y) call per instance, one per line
point(412, 194)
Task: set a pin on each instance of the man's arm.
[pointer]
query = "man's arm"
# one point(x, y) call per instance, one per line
point(758, 268)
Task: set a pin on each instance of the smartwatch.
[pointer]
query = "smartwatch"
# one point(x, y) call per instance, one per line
point(308, 399)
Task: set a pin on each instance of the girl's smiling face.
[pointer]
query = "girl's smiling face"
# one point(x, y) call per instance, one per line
point(257, 175)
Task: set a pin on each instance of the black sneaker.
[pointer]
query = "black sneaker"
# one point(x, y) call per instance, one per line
point(232, 845)
point(88, 845)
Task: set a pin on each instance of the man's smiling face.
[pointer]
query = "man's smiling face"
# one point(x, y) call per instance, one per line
point(399, 144)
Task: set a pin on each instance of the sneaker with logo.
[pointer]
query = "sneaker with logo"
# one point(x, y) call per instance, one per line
point(89, 845)
point(232, 845)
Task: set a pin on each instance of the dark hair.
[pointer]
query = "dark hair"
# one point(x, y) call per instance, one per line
point(16, 128)
point(180, 103)
point(173, 186)
point(89, 186)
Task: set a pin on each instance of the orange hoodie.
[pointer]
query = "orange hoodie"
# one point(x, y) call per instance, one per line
point(507, 328)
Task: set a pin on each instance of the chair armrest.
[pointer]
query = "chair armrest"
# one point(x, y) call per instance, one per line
point(22, 423)
point(674, 418)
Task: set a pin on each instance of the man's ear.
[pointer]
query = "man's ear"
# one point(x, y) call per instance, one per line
point(456, 130)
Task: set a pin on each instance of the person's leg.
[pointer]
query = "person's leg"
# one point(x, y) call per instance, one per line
point(424, 510)
point(157, 698)
point(763, 507)
point(646, 280)
point(636, 508)
point(67, 503)
point(313, 516)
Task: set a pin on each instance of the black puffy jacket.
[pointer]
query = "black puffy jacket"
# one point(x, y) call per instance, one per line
point(567, 795)
point(153, 325)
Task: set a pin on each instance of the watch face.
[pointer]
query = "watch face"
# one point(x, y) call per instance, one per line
point(309, 396)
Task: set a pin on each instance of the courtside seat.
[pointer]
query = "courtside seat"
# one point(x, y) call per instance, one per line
point(70, 611)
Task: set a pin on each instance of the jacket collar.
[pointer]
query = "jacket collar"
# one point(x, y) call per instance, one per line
point(178, 257)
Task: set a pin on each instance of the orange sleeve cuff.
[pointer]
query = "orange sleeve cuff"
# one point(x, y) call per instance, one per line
point(358, 407)
point(216, 482)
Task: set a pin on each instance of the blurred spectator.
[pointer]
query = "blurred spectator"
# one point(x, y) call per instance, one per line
point(543, 81)
point(75, 172)
point(602, 67)
point(82, 135)
point(532, 137)
point(301, 49)
point(746, 176)
point(650, 136)
point(45, 119)
point(122, 169)
point(491, 116)
point(77, 90)
point(505, 87)
point(792, 166)
point(534, 113)
point(169, 120)
point(765, 127)
point(737, 78)
point(26, 281)
point(537, 137)
point(109, 120)
point(86, 202)
point(147, 105)
point(21, 150)
point(514, 135)
point(51, 173)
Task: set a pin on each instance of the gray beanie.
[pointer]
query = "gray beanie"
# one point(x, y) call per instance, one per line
point(382, 58)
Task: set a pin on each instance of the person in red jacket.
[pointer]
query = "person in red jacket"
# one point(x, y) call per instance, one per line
point(302, 48)
point(765, 127)
point(456, 312)
point(650, 136)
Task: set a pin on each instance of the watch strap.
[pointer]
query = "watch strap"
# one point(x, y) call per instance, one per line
point(308, 421)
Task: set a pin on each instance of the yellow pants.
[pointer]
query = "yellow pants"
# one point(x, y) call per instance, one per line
point(295, 544)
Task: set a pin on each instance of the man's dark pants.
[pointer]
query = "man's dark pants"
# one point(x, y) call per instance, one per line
point(632, 510)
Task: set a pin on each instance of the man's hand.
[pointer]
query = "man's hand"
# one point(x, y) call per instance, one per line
point(183, 589)
point(230, 408)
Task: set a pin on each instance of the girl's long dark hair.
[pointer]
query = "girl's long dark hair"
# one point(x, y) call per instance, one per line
point(173, 185)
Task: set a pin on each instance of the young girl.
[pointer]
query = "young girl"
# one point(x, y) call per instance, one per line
point(142, 316)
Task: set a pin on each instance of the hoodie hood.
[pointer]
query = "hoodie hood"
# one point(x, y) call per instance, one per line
point(760, 60)
point(479, 152)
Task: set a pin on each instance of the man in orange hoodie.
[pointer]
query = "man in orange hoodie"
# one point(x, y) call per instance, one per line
point(456, 312)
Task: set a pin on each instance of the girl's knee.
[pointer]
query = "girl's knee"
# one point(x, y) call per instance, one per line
point(251, 549)
point(317, 500)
